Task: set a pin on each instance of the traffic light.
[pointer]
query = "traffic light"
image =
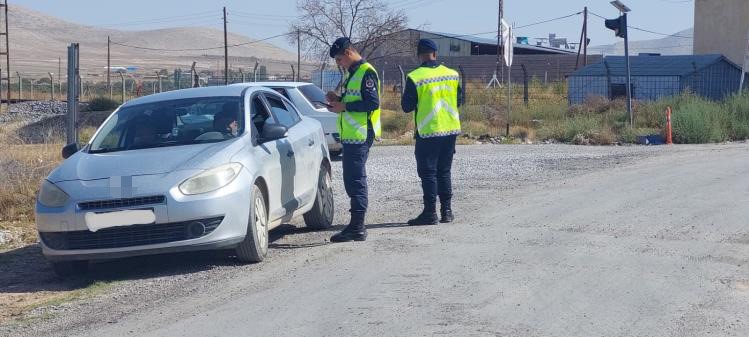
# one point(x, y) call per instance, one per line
point(618, 25)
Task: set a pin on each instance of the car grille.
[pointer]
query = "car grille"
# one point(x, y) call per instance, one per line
point(130, 236)
point(120, 203)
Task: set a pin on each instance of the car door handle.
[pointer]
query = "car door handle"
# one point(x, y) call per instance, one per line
point(290, 154)
point(311, 142)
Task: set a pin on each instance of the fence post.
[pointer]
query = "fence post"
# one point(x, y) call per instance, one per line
point(525, 84)
point(403, 79)
point(293, 72)
point(31, 83)
point(20, 86)
point(254, 71)
point(74, 92)
point(122, 80)
point(52, 86)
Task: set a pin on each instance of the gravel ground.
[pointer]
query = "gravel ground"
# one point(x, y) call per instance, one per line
point(480, 173)
point(34, 111)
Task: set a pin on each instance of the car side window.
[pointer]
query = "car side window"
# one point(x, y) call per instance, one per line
point(259, 114)
point(283, 115)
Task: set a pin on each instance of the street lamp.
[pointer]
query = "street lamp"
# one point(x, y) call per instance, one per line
point(619, 26)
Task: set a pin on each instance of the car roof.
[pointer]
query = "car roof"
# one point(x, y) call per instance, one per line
point(234, 90)
point(276, 84)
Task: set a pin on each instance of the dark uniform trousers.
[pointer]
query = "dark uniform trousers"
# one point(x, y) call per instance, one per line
point(355, 174)
point(434, 158)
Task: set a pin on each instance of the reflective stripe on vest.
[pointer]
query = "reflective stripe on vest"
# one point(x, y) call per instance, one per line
point(437, 110)
point(352, 125)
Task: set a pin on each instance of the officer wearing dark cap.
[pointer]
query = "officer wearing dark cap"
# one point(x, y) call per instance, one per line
point(433, 92)
point(358, 125)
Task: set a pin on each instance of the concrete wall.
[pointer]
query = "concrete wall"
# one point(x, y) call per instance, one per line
point(720, 27)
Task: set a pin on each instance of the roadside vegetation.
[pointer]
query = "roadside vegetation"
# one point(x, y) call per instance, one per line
point(548, 117)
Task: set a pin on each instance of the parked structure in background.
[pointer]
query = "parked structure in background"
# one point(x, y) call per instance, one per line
point(721, 27)
point(654, 77)
point(453, 45)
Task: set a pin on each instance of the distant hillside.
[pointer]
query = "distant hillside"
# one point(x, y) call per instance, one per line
point(37, 41)
point(671, 45)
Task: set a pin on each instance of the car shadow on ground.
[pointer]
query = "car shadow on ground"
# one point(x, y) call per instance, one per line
point(25, 270)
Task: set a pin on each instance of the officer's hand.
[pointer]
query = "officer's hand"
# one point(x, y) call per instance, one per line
point(337, 107)
point(332, 97)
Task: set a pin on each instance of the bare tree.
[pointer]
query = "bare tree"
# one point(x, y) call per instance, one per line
point(366, 22)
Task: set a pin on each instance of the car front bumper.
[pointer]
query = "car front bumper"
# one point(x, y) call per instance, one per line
point(230, 204)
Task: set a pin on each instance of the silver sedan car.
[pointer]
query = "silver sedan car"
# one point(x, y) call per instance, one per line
point(194, 169)
point(311, 102)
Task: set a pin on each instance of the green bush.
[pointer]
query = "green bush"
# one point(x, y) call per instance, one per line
point(102, 104)
point(700, 121)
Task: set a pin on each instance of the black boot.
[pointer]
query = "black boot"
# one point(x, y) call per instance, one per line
point(427, 217)
point(447, 216)
point(446, 211)
point(355, 231)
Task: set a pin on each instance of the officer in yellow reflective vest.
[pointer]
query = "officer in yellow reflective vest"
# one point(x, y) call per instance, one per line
point(358, 125)
point(433, 91)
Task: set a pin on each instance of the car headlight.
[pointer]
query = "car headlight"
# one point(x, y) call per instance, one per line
point(211, 180)
point(52, 196)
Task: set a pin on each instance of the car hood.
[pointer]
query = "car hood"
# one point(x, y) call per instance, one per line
point(87, 166)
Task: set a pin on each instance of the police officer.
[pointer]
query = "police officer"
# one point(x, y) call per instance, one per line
point(358, 125)
point(434, 93)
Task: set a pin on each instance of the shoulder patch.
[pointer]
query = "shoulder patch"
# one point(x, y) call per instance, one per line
point(370, 83)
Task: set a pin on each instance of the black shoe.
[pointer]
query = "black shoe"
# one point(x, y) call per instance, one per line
point(347, 235)
point(424, 219)
point(447, 216)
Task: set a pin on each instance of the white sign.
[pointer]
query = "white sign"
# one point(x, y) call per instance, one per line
point(508, 40)
point(746, 63)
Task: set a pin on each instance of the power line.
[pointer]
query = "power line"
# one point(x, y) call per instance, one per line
point(549, 20)
point(200, 49)
point(164, 19)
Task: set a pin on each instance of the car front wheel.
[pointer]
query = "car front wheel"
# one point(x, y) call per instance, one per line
point(255, 244)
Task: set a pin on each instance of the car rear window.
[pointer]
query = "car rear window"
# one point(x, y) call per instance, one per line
point(313, 94)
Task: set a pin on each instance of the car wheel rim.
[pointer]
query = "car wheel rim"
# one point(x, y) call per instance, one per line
point(261, 222)
point(327, 197)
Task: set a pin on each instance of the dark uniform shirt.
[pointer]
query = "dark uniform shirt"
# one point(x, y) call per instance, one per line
point(369, 90)
point(410, 99)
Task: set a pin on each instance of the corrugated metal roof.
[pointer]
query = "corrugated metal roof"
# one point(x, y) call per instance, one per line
point(652, 65)
point(493, 42)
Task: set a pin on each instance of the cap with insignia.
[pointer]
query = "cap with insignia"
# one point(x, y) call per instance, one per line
point(426, 46)
point(339, 45)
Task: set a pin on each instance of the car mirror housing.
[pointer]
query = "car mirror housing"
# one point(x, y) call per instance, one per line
point(273, 132)
point(69, 150)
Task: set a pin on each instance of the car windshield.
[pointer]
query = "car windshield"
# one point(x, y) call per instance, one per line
point(171, 123)
point(314, 94)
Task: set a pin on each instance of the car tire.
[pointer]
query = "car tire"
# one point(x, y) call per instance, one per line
point(323, 210)
point(254, 247)
point(335, 154)
point(69, 268)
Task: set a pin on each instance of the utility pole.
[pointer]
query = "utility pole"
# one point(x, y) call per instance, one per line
point(226, 52)
point(499, 39)
point(298, 54)
point(585, 34)
point(7, 50)
point(629, 73)
point(109, 67)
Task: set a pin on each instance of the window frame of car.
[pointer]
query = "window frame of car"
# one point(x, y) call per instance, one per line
point(260, 95)
point(286, 103)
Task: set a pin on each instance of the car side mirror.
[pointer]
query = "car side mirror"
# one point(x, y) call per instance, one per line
point(69, 150)
point(273, 132)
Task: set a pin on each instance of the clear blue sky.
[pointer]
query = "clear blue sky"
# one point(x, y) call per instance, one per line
point(260, 18)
